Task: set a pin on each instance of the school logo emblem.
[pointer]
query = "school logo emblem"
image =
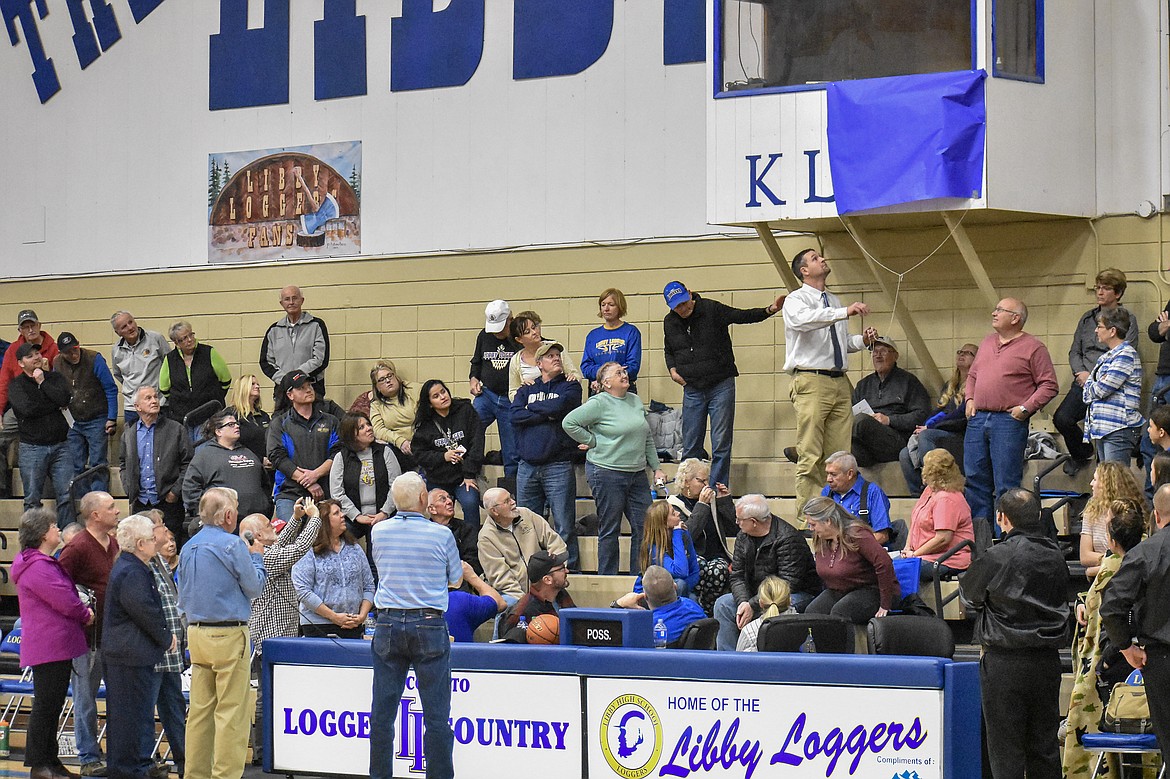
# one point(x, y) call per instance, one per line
point(631, 736)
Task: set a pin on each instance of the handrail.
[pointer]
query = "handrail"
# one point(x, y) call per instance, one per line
point(938, 598)
point(82, 478)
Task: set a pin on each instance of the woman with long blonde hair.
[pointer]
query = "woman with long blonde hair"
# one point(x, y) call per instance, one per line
point(245, 399)
point(946, 428)
point(1111, 481)
point(667, 543)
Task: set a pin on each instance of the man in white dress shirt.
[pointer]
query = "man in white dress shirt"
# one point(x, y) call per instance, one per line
point(817, 341)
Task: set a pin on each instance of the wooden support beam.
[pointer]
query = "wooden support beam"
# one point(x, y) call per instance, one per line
point(783, 266)
point(901, 313)
point(971, 257)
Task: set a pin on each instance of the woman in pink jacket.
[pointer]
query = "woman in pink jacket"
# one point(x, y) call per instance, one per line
point(52, 620)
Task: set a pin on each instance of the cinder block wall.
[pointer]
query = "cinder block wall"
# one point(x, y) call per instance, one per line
point(424, 312)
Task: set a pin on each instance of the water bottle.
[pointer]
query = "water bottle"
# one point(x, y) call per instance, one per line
point(808, 646)
point(368, 635)
point(4, 751)
point(522, 623)
point(659, 491)
point(660, 635)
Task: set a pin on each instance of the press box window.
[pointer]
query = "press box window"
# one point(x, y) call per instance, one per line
point(1018, 39)
point(796, 43)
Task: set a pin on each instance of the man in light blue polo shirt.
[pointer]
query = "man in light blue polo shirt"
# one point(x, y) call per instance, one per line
point(417, 562)
point(219, 575)
point(846, 485)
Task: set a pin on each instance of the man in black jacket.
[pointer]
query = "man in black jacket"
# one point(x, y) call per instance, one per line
point(697, 345)
point(1141, 587)
point(37, 395)
point(154, 454)
point(1017, 589)
point(766, 546)
point(899, 403)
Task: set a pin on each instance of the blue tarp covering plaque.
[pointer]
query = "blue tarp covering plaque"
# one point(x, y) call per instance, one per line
point(906, 138)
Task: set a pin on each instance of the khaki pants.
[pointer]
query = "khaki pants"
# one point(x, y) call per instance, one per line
point(824, 424)
point(218, 715)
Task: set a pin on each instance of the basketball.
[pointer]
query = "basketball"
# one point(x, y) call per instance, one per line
point(544, 629)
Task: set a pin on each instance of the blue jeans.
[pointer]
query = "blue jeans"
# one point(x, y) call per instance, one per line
point(616, 492)
point(283, 508)
point(89, 445)
point(927, 440)
point(172, 713)
point(130, 722)
point(497, 408)
point(1118, 445)
point(551, 485)
point(719, 403)
point(87, 677)
point(403, 638)
point(993, 460)
point(39, 462)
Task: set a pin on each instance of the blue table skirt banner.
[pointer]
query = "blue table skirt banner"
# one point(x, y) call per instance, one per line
point(906, 138)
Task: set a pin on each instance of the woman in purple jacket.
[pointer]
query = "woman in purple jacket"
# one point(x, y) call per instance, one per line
point(53, 621)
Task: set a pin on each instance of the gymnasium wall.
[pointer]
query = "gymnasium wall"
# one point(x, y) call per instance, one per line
point(423, 312)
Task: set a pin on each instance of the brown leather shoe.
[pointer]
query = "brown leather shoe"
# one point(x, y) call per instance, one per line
point(42, 773)
point(61, 772)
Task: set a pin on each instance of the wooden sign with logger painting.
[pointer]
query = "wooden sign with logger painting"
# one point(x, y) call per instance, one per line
point(289, 204)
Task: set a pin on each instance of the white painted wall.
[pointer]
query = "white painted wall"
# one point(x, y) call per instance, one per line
point(111, 174)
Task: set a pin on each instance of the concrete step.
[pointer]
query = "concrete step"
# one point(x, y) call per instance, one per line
point(116, 488)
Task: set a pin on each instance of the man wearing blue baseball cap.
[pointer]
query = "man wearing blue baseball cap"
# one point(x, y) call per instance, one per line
point(697, 343)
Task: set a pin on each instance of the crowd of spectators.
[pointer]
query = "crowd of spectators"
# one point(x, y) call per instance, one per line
point(313, 480)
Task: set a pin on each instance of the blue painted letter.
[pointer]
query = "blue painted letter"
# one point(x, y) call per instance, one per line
point(339, 51)
point(757, 181)
point(431, 49)
point(249, 67)
point(559, 37)
point(44, 75)
point(84, 40)
point(683, 32)
point(813, 197)
point(141, 9)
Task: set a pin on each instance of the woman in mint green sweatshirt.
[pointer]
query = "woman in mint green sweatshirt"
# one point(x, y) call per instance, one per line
point(611, 426)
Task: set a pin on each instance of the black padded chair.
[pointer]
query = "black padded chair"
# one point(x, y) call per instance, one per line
point(906, 634)
point(786, 632)
point(697, 635)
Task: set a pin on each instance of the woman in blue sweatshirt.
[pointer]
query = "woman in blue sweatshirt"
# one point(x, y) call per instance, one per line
point(614, 341)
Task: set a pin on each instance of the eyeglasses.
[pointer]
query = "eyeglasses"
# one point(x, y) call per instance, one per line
point(966, 352)
point(1103, 288)
point(185, 338)
point(1002, 310)
point(228, 424)
point(388, 379)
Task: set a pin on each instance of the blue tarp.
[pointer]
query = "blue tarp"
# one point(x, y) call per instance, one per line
point(906, 138)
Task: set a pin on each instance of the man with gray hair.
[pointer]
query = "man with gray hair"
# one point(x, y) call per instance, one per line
point(506, 543)
point(136, 358)
point(417, 561)
point(765, 546)
point(852, 492)
point(299, 342)
point(660, 595)
point(192, 374)
point(154, 454)
point(219, 576)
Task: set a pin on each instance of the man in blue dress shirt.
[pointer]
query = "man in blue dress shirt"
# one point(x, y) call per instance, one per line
point(219, 575)
point(846, 485)
point(417, 561)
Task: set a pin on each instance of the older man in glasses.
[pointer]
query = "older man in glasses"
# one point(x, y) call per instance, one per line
point(1010, 380)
